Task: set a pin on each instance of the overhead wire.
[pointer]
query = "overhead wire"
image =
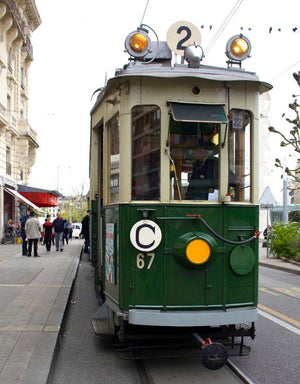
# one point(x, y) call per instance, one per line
point(286, 70)
point(145, 10)
point(224, 24)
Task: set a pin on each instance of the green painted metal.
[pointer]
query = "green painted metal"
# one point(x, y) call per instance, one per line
point(157, 279)
point(242, 259)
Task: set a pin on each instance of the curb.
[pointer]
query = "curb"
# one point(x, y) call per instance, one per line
point(290, 261)
point(280, 267)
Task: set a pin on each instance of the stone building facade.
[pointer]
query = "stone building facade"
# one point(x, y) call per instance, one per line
point(18, 140)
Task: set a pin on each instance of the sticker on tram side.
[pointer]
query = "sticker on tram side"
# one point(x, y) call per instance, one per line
point(145, 235)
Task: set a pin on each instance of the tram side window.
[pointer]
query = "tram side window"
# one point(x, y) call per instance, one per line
point(146, 123)
point(114, 159)
point(239, 176)
point(194, 160)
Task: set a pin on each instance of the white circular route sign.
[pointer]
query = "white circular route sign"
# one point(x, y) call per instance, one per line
point(182, 34)
point(145, 235)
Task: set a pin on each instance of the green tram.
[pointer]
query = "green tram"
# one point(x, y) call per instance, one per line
point(174, 198)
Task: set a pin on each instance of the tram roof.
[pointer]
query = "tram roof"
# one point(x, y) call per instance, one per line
point(164, 70)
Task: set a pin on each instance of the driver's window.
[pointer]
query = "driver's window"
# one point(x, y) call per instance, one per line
point(194, 160)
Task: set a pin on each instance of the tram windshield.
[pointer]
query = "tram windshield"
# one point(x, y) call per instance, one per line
point(194, 154)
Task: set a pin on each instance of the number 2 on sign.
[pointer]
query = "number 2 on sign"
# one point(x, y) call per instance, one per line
point(140, 260)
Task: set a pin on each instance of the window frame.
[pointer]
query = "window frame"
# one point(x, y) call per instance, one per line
point(145, 153)
point(247, 142)
point(109, 199)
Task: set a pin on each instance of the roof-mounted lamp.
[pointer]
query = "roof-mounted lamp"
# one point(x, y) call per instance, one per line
point(193, 54)
point(138, 43)
point(238, 48)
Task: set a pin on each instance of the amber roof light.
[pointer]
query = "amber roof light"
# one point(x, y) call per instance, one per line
point(138, 43)
point(238, 48)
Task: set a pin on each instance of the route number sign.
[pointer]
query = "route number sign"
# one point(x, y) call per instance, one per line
point(182, 34)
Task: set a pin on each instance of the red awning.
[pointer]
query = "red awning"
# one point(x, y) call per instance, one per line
point(23, 199)
point(41, 199)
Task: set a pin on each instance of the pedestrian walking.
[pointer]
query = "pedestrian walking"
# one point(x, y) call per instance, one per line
point(48, 232)
point(33, 234)
point(85, 231)
point(59, 226)
point(66, 231)
point(70, 230)
point(23, 234)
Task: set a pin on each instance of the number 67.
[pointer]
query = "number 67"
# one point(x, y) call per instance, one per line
point(140, 260)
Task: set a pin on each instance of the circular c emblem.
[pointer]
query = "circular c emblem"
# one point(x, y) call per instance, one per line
point(145, 235)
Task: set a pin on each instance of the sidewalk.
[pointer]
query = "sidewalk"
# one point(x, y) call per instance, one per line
point(266, 259)
point(34, 294)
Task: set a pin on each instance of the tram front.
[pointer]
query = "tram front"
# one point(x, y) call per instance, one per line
point(174, 190)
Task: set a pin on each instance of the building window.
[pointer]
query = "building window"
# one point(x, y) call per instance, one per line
point(8, 161)
point(22, 78)
point(9, 60)
point(146, 123)
point(8, 103)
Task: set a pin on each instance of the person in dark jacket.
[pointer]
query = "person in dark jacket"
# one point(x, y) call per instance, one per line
point(48, 232)
point(59, 226)
point(23, 234)
point(66, 231)
point(85, 231)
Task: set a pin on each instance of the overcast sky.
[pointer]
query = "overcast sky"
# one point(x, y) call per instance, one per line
point(79, 42)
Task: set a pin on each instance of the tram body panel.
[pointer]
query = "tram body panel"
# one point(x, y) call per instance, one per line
point(160, 279)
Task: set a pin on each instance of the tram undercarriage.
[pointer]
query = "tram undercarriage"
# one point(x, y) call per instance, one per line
point(213, 345)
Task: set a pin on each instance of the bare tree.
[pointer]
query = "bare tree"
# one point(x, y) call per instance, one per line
point(293, 140)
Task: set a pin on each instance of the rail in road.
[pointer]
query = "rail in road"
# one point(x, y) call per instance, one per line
point(185, 371)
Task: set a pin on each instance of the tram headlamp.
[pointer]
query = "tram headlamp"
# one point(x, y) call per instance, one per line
point(138, 43)
point(238, 48)
point(198, 251)
point(194, 250)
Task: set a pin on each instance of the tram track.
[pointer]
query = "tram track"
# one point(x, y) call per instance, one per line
point(233, 370)
point(143, 373)
point(240, 373)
